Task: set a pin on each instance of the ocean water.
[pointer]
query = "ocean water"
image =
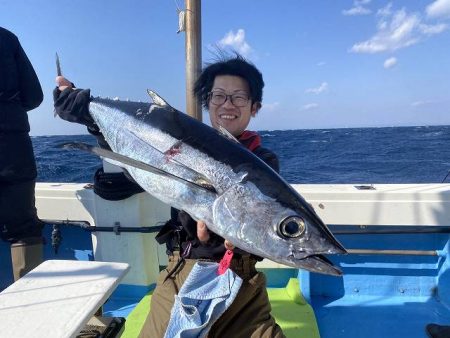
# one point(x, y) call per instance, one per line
point(350, 155)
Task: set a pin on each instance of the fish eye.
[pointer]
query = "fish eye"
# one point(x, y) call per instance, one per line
point(292, 227)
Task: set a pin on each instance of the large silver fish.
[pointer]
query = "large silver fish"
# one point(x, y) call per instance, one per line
point(207, 173)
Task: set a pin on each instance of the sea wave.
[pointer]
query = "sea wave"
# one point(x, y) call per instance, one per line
point(358, 155)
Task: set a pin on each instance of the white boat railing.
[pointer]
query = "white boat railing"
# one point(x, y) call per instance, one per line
point(423, 205)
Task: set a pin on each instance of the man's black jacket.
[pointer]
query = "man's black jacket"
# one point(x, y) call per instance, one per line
point(20, 90)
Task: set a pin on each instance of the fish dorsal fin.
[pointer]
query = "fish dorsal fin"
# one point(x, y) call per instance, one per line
point(136, 163)
point(158, 100)
point(225, 133)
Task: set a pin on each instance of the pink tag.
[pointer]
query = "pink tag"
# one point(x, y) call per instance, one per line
point(225, 262)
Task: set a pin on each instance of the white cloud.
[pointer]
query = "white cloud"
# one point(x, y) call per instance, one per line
point(386, 10)
point(358, 8)
point(310, 106)
point(323, 87)
point(356, 11)
point(433, 29)
point(236, 42)
point(421, 103)
point(439, 9)
point(391, 62)
point(321, 63)
point(270, 106)
point(395, 30)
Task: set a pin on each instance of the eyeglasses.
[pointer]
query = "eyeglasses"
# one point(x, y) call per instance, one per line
point(218, 98)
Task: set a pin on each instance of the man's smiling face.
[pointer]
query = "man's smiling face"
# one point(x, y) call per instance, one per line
point(228, 115)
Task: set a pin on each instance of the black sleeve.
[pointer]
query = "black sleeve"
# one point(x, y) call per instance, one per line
point(188, 223)
point(73, 105)
point(269, 157)
point(177, 230)
point(189, 226)
point(30, 89)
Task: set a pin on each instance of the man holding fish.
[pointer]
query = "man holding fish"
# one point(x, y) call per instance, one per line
point(232, 100)
point(218, 185)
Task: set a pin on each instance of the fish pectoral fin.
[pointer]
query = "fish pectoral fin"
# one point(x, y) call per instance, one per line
point(225, 133)
point(199, 178)
point(135, 163)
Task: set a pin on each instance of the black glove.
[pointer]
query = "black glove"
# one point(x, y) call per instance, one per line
point(73, 105)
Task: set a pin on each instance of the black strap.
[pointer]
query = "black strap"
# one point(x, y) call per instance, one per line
point(181, 260)
point(114, 186)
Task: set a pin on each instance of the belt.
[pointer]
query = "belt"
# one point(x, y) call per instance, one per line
point(244, 266)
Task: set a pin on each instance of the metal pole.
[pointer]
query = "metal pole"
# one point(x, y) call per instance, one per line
point(117, 228)
point(193, 56)
point(388, 230)
point(393, 252)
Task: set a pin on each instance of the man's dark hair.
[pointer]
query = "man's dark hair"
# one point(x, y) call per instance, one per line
point(236, 66)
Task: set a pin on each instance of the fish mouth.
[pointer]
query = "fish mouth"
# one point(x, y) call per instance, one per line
point(319, 264)
point(336, 247)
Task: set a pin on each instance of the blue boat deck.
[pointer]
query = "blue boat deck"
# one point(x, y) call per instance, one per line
point(383, 295)
point(378, 316)
point(378, 295)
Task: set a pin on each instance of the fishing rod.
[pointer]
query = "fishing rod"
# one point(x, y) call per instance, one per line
point(446, 177)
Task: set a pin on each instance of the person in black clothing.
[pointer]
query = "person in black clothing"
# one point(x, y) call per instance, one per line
point(20, 91)
point(231, 90)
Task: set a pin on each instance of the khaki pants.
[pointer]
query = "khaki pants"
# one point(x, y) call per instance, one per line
point(247, 317)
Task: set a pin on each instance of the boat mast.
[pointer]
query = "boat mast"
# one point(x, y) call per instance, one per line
point(193, 55)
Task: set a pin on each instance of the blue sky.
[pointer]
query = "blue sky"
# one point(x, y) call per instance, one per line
point(326, 64)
